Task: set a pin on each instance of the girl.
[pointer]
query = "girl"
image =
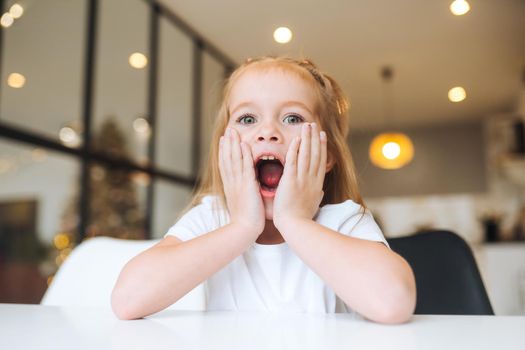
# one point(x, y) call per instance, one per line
point(277, 223)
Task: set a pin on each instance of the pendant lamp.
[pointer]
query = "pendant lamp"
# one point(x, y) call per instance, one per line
point(390, 150)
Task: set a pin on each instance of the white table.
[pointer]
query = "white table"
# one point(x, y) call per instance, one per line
point(57, 328)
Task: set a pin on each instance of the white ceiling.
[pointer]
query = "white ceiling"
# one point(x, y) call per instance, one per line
point(430, 49)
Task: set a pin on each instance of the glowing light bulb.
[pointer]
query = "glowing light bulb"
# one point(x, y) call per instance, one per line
point(459, 7)
point(391, 150)
point(282, 35)
point(16, 80)
point(457, 94)
point(138, 60)
point(16, 11)
point(6, 20)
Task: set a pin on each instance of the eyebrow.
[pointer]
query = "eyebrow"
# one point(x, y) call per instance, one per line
point(285, 104)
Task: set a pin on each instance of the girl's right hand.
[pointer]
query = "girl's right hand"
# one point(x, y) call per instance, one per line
point(241, 187)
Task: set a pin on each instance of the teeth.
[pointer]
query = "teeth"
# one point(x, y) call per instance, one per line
point(267, 157)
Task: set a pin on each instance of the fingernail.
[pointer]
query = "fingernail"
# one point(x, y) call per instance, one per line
point(323, 135)
point(313, 125)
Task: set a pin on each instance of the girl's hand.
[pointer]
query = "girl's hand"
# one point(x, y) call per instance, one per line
point(241, 188)
point(300, 189)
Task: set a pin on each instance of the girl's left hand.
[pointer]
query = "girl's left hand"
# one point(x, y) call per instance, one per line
point(300, 189)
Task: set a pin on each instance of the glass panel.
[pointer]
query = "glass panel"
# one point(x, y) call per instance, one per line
point(170, 200)
point(174, 133)
point(120, 88)
point(38, 203)
point(42, 66)
point(118, 202)
point(212, 80)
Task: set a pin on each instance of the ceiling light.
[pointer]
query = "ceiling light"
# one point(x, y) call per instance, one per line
point(459, 7)
point(6, 20)
point(457, 94)
point(138, 60)
point(16, 11)
point(282, 35)
point(16, 80)
point(390, 150)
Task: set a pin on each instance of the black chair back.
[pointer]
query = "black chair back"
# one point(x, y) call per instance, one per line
point(447, 277)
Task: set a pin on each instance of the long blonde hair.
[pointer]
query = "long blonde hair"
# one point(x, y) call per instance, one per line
point(340, 182)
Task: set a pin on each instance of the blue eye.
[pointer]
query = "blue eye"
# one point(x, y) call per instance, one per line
point(246, 119)
point(293, 119)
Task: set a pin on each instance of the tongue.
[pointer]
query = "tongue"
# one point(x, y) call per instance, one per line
point(270, 173)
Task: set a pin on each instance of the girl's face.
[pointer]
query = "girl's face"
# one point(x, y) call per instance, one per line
point(268, 108)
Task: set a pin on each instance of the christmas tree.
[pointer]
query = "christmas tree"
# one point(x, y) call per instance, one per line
point(114, 209)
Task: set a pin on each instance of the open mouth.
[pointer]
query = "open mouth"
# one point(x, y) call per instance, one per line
point(269, 172)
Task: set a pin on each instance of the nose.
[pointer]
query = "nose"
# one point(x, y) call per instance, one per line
point(269, 132)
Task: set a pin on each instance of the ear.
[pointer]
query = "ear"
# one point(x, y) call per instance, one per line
point(330, 162)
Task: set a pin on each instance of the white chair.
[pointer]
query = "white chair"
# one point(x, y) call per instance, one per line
point(87, 276)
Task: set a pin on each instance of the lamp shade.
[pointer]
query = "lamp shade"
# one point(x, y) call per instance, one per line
point(391, 150)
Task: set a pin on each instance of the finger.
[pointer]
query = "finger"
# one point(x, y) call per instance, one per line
point(290, 166)
point(315, 151)
point(236, 153)
point(247, 161)
point(221, 152)
point(226, 153)
point(323, 159)
point(304, 150)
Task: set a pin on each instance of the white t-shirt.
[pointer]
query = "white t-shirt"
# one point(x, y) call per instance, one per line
point(272, 277)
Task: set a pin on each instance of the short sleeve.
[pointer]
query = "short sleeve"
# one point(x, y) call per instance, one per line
point(351, 219)
point(362, 225)
point(200, 219)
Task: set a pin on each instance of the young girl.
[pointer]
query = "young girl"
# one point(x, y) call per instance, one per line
point(277, 223)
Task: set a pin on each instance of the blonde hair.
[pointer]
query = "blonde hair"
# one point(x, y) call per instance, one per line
point(340, 182)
